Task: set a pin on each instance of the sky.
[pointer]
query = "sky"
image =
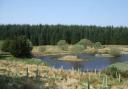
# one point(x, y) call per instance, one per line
point(78, 12)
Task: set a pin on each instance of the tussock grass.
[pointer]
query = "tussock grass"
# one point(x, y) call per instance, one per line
point(115, 52)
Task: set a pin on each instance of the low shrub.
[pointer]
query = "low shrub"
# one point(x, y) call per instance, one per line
point(77, 48)
point(113, 71)
point(116, 69)
point(115, 52)
point(85, 42)
point(97, 45)
point(62, 44)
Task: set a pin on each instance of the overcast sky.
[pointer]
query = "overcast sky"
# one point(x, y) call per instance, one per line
point(81, 12)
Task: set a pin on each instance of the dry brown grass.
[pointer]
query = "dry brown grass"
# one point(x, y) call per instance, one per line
point(70, 58)
point(59, 78)
point(55, 50)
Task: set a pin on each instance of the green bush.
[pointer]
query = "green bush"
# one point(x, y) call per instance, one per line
point(115, 52)
point(77, 48)
point(5, 45)
point(113, 71)
point(97, 45)
point(21, 47)
point(62, 44)
point(85, 42)
point(118, 68)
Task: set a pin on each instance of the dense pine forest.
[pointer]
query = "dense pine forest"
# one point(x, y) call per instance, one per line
point(51, 34)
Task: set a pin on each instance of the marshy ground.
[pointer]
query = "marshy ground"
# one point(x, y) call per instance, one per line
point(51, 78)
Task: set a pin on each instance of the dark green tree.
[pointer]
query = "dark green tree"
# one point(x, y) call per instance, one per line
point(51, 34)
point(21, 47)
point(6, 45)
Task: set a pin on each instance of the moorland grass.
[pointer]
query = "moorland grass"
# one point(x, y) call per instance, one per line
point(52, 78)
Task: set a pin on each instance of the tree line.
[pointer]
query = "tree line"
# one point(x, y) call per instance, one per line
point(51, 34)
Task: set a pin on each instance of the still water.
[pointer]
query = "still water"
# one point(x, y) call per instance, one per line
point(98, 63)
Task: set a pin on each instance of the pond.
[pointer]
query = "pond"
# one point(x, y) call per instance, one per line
point(98, 63)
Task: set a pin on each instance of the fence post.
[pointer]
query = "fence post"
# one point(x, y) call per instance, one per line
point(106, 84)
point(17, 71)
point(88, 84)
point(89, 76)
point(37, 72)
point(103, 83)
point(27, 73)
point(95, 71)
point(99, 74)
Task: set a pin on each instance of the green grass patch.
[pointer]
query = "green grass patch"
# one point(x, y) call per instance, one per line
point(25, 60)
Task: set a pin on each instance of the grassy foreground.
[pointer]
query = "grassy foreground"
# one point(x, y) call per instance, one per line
point(33, 74)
